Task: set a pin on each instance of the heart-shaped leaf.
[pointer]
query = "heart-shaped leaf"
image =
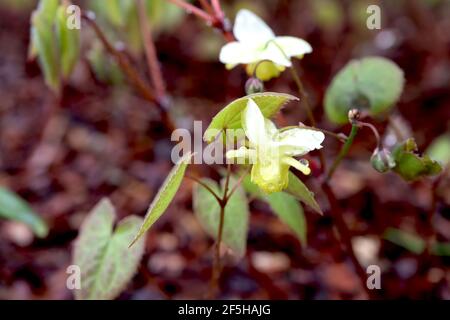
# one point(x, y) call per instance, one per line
point(230, 116)
point(372, 83)
point(164, 195)
point(298, 189)
point(105, 261)
point(14, 208)
point(207, 211)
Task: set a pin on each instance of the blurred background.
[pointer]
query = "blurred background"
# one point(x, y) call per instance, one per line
point(101, 139)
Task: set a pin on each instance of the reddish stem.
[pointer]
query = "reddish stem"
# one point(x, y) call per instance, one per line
point(194, 10)
point(150, 53)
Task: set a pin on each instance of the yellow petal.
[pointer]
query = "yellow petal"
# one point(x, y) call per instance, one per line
point(266, 70)
point(297, 165)
point(271, 176)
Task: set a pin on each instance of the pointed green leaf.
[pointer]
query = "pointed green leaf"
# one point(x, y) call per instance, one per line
point(230, 116)
point(47, 10)
point(298, 189)
point(15, 208)
point(105, 261)
point(409, 241)
point(164, 195)
point(290, 212)
point(69, 42)
point(372, 83)
point(207, 211)
point(44, 42)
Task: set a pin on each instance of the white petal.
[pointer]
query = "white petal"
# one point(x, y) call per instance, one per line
point(271, 129)
point(235, 53)
point(292, 46)
point(297, 165)
point(274, 53)
point(253, 123)
point(251, 29)
point(243, 154)
point(296, 142)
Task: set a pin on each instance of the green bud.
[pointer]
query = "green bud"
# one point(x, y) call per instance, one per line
point(382, 160)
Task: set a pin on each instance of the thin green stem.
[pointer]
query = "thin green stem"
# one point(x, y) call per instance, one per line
point(227, 182)
point(303, 95)
point(344, 151)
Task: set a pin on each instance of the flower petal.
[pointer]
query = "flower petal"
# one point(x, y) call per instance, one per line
point(270, 176)
point(292, 46)
point(251, 29)
point(235, 53)
point(271, 129)
point(242, 154)
point(276, 54)
point(254, 124)
point(265, 71)
point(297, 141)
point(297, 165)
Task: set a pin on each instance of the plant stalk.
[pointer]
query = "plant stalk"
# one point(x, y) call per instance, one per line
point(150, 53)
point(344, 151)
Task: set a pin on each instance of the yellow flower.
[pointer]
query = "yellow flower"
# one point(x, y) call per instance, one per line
point(271, 151)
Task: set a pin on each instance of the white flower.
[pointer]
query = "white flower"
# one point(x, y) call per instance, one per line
point(272, 151)
point(257, 42)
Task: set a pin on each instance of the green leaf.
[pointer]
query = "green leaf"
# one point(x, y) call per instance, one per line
point(105, 261)
point(69, 42)
point(15, 208)
point(439, 150)
point(105, 68)
point(409, 241)
point(44, 42)
point(164, 196)
point(114, 12)
point(298, 189)
point(372, 83)
point(411, 166)
point(290, 212)
point(441, 249)
point(207, 211)
point(230, 116)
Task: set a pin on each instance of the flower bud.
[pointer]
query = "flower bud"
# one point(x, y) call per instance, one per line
point(382, 160)
point(254, 85)
point(353, 115)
